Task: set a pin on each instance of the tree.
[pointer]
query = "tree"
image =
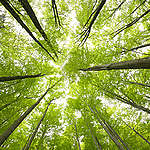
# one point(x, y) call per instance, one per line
point(98, 66)
point(2, 79)
point(36, 129)
point(143, 63)
point(16, 123)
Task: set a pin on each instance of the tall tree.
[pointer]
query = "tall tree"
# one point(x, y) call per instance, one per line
point(3, 79)
point(27, 146)
point(143, 63)
point(17, 122)
point(16, 16)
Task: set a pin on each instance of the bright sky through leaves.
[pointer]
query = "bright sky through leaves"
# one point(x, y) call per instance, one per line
point(89, 110)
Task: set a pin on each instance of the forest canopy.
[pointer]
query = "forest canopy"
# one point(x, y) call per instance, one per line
point(74, 74)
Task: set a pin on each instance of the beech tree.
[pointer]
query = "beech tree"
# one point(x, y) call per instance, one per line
point(91, 57)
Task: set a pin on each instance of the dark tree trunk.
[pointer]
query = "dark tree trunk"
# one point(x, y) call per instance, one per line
point(139, 84)
point(10, 78)
point(112, 130)
point(96, 141)
point(16, 16)
point(16, 123)
point(85, 34)
point(41, 139)
point(143, 63)
point(138, 133)
point(129, 102)
point(130, 24)
point(77, 136)
point(114, 139)
point(55, 11)
point(36, 129)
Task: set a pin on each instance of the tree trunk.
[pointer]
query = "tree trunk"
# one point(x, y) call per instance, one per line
point(36, 129)
point(17, 122)
point(39, 146)
point(10, 78)
point(6, 105)
point(138, 133)
point(114, 139)
point(112, 130)
point(77, 137)
point(142, 63)
point(16, 16)
point(96, 141)
point(139, 84)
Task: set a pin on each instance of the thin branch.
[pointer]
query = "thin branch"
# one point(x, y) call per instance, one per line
point(129, 24)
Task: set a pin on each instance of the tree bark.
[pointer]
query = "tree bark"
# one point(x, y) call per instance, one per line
point(16, 16)
point(77, 137)
point(17, 122)
point(114, 139)
point(138, 133)
point(112, 130)
point(129, 102)
point(36, 129)
point(10, 78)
point(139, 84)
point(85, 34)
point(142, 63)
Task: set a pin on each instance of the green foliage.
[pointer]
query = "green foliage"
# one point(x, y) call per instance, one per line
point(77, 91)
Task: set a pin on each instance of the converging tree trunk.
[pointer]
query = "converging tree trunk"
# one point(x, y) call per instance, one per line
point(112, 130)
point(139, 84)
point(55, 12)
point(142, 63)
point(113, 138)
point(35, 21)
point(16, 16)
point(137, 133)
point(85, 34)
point(10, 78)
point(77, 136)
point(96, 141)
point(17, 122)
point(127, 101)
point(131, 23)
point(36, 129)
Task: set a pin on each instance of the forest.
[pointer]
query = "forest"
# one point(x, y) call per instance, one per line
point(74, 74)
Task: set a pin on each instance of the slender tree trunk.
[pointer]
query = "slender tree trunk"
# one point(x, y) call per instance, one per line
point(10, 78)
point(138, 133)
point(129, 102)
point(114, 139)
point(55, 11)
point(85, 34)
point(35, 21)
point(17, 122)
point(130, 24)
point(115, 10)
point(96, 141)
point(142, 63)
point(139, 84)
point(132, 11)
point(41, 139)
point(36, 129)
point(77, 136)
point(135, 48)
point(16, 16)
point(112, 130)
point(6, 105)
